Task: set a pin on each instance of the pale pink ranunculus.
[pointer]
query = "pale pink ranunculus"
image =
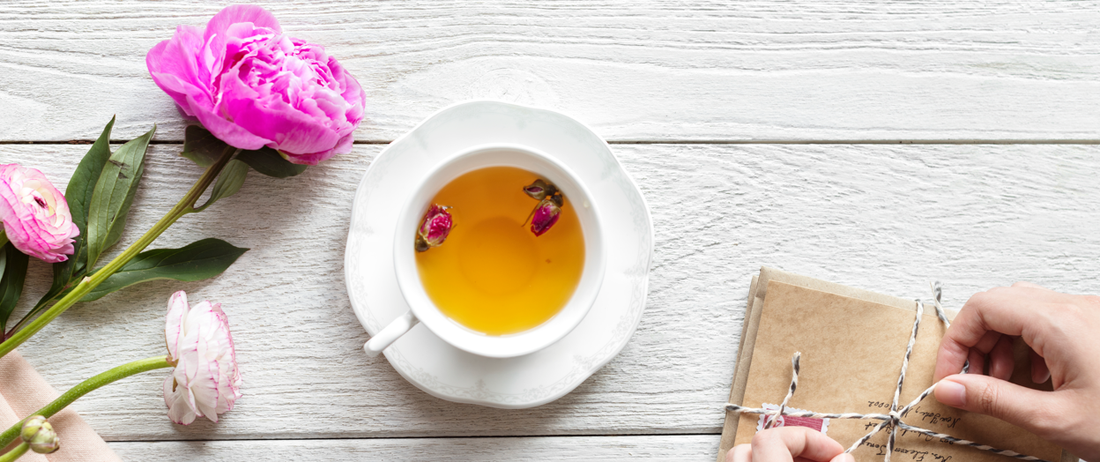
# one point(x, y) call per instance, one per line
point(251, 86)
point(35, 214)
point(206, 381)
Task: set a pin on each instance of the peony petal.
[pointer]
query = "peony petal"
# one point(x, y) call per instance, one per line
point(225, 130)
point(220, 23)
point(289, 129)
point(352, 92)
point(252, 86)
point(174, 66)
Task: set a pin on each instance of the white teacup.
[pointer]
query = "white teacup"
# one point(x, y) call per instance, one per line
point(422, 309)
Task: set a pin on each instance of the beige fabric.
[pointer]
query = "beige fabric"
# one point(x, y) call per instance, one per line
point(24, 392)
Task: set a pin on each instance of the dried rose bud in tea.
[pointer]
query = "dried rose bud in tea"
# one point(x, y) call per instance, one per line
point(434, 228)
point(540, 189)
point(549, 207)
point(546, 214)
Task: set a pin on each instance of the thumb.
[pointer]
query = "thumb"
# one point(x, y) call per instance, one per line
point(1032, 410)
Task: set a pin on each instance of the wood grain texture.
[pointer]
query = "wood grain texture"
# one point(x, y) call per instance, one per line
point(888, 218)
point(584, 448)
point(700, 70)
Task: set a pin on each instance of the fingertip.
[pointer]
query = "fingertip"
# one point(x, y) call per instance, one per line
point(819, 446)
point(951, 393)
point(844, 457)
point(977, 362)
point(740, 453)
point(1040, 373)
point(1033, 410)
point(784, 442)
point(1001, 359)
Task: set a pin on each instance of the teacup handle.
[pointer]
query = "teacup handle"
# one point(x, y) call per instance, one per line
point(390, 333)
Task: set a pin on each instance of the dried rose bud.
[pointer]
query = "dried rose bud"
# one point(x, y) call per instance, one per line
point(546, 214)
point(434, 228)
point(540, 189)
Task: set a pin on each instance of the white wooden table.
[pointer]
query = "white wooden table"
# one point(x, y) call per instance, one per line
point(876, 145)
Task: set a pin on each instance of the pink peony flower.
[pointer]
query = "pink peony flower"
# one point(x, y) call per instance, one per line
point(251, 86)
point(206, 380)
point(35, 214)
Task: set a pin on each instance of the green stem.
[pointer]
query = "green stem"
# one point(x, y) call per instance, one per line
point(183, 207)
point(3, 237)
point(42, 305)
point(15, 453)
point(84, 387)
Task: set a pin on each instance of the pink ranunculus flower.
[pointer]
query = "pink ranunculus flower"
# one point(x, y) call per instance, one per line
point(35, 214)
point(206, 381)
point(252, 86)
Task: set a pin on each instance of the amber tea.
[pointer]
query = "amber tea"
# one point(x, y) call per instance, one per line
point(493, 274)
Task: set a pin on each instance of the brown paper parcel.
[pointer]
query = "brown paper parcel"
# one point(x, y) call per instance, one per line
point(852, 344)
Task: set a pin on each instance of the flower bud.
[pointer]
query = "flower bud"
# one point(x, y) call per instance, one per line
point(31, 426)
point(540, 189)
point(434, 228)
point(546, 214)
point(39, 435)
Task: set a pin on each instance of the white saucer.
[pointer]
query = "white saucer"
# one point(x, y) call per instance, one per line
point(444, 371)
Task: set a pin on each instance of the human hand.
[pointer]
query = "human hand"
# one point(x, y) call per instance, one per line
point(1063, 332)
point(789, 444)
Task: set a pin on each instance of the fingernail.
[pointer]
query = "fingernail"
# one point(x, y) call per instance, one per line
point(845, 457)
point(1039, 376)
point(951, 393)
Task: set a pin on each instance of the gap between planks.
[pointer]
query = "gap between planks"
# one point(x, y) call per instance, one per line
point(421, 437)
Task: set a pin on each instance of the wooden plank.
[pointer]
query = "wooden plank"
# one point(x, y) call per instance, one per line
point(888, 218)
point(581, 448)
point(755, 70)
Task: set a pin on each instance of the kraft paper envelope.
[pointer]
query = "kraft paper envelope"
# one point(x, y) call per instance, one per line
point(852, 344)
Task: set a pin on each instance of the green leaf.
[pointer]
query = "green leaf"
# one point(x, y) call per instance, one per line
point(114, 192)
point(79, 196)
point(13, 265)
point(229, 181)
point(62, 277)
point(201, 146)
point(269, 162)
point(196, 261)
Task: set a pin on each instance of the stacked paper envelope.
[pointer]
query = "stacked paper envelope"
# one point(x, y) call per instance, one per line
point(852, 344)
